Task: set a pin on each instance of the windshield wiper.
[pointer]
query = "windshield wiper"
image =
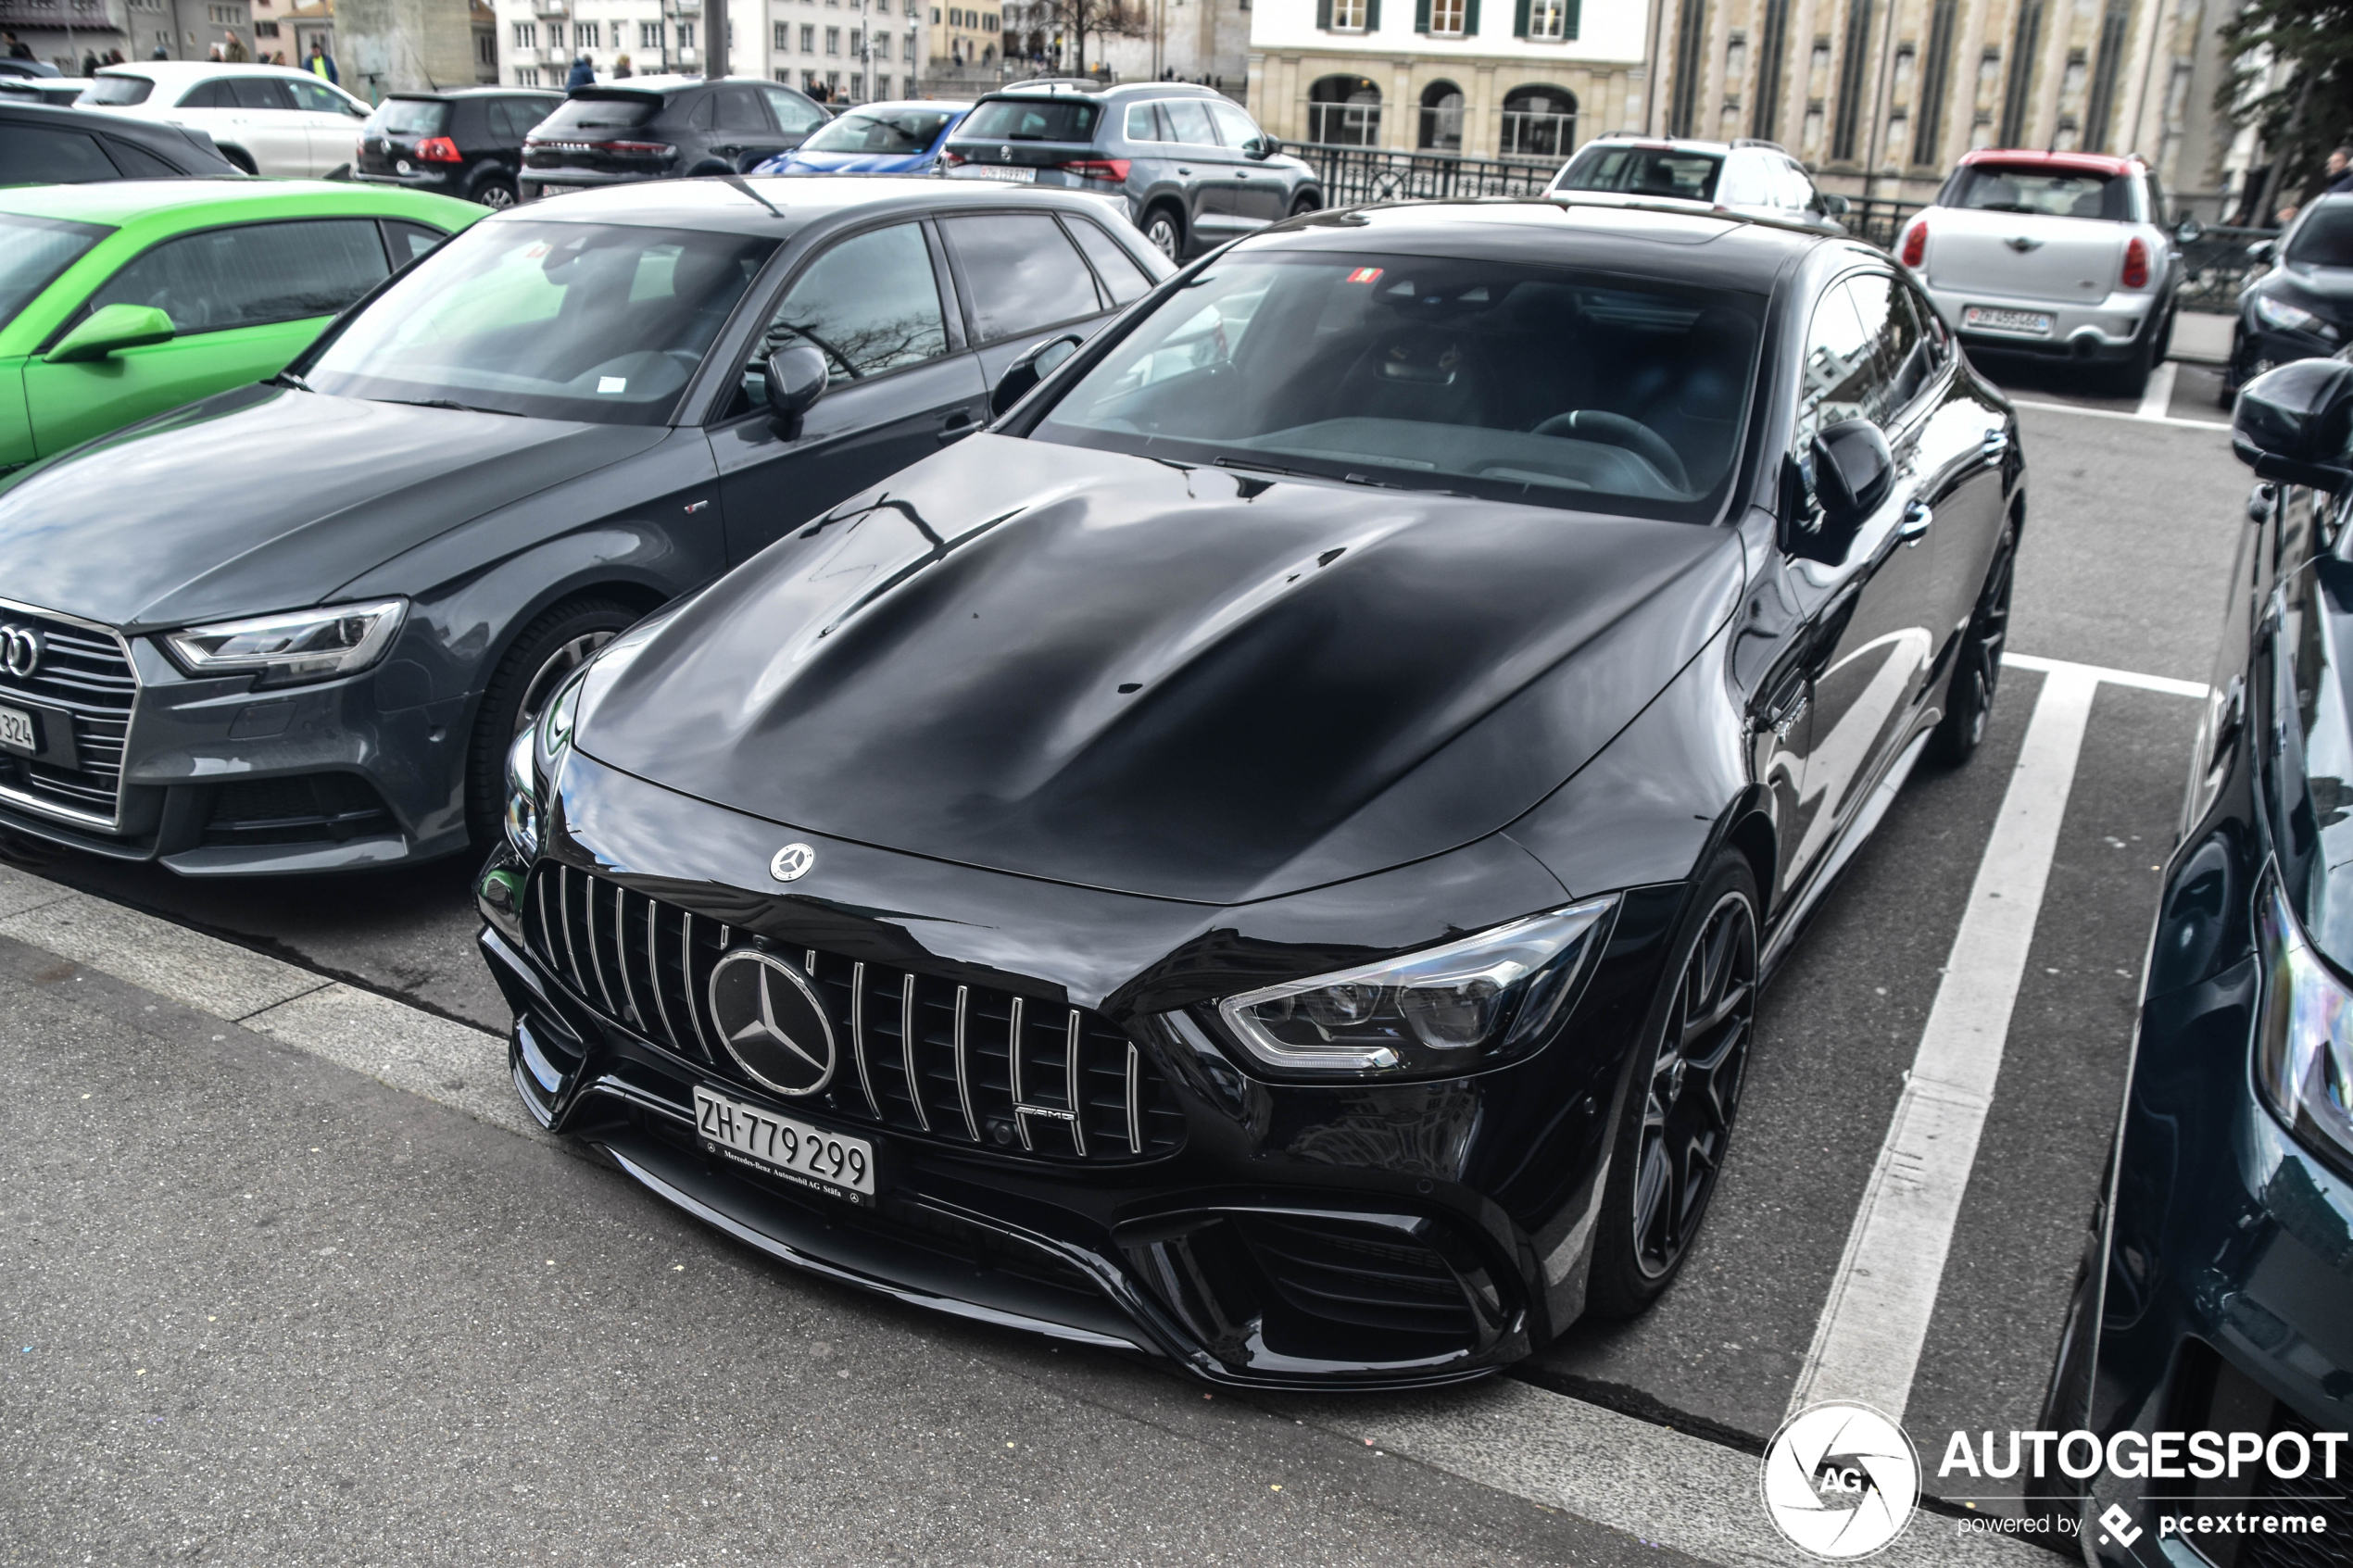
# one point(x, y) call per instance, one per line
point(287, 378)
point(1267, 468)
point(447, 403)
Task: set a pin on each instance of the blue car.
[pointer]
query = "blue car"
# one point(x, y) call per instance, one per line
point(900, 138)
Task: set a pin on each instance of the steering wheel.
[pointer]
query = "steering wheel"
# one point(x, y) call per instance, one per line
point(1616, 430)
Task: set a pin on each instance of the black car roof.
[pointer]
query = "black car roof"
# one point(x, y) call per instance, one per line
point(712, 203)
point(446, 94)
point(1065, 88)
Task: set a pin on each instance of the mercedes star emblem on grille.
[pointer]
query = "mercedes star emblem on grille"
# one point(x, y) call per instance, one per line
point(792, 862)
point(769, 1017)
point(20, 650)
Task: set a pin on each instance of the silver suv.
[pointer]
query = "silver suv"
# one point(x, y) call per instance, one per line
point(1193, 169)
point(1752, 177)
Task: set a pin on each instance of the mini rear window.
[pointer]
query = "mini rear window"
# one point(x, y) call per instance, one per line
point(1644, 171)
point(408, 117)
point(2054, 192)
point(117, 90)
point(574, 115)
point(1032, 119)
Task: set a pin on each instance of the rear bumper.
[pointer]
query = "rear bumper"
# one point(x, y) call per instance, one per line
point(2104, 331)
point(534, 182)
point(440, 177)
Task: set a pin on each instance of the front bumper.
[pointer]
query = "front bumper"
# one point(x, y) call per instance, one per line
point(1257, 1233)
point(2229, 1295)
point(2102, 332)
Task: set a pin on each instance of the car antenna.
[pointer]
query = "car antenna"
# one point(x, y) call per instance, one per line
point(740, 183)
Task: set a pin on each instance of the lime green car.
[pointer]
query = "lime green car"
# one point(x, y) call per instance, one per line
point(123, 299)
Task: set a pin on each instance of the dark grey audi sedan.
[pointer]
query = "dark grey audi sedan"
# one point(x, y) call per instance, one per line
point(292, 627)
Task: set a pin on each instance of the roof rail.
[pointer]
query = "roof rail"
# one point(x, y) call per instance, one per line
point(1760, 142)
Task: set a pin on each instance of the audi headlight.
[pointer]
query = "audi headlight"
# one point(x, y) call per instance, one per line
point(1468, 1004)
point(285, 650)
point(534, 760)
point(2291, 318)
point(2304, 1056)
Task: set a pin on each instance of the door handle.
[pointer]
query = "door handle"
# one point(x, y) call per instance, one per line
point(956, 425)
point(1918, 516)
point(1182, 169)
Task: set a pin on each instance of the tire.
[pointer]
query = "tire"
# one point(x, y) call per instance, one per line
point(1681, 1098)
point(1306, 204)
point(2164, 337)
point(1977, 670)
point(496, 192)
point(551, 648)
point(1164, 227)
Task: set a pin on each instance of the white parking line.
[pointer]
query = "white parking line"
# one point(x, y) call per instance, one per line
point(1868, 1342)
point(2157, 398)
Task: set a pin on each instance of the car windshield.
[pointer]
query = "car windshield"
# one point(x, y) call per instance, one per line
point(1644, 171)
point(557, 320)
point(880, 130)
point(407, 117)
point(33, 252)
point(2324, 238)
point(2055, 192)
point(1511, 382)
point(574, 115)
point(1032, 119)
point(117, 90)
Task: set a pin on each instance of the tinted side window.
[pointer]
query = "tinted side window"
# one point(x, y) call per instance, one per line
point(1120, 271)
point(1021, 273)
point(246, 276)
point(705, 114)
point(38, 155)
point(208, 96)
point(1143, 124)
point(1189, 121)
point(317, 97)
point(738, 110)
point(259, 93)
point(796, 116)
point(1233, 125)
point(409, 241)
point(1836, 377)
point(868, 304)
point(1898, 352)
point(136, 161)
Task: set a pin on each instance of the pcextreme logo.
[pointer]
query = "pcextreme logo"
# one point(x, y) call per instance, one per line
point(1840, 1481)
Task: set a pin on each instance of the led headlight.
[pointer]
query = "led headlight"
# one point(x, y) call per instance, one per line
point(1468, 1004)
point(2304, 1054)
point(2291, 318)
point(534, 761)
point(285, 650)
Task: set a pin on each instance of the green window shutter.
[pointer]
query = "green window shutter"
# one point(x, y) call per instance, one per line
point(1421, 16)
point(1470, 18)
point(1372, 16)
point(1519, 18)
point(1324, 13)
point(1569, 21)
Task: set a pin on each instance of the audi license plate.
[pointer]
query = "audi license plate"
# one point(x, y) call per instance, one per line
point(1019, 176)
point(809, 1157)
point(19, 732)
point(2017, 323)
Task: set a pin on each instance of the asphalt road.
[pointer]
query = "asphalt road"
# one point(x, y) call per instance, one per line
point(362, 1317)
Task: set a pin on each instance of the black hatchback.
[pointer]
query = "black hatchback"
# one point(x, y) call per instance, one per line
point(40, 145)
point(467, 143)
point(664, 128)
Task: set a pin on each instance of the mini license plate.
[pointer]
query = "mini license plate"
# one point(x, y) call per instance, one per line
point(809, 1157)
point(2023, 323)
point(19, 732)
point(1021, 176)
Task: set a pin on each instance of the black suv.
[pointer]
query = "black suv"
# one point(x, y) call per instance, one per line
point(44, 146)
point(467, 143)
point(663, 128)
point(1193, 169)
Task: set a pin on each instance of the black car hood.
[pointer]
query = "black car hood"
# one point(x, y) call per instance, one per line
point(1188, 683)
point(267, 498)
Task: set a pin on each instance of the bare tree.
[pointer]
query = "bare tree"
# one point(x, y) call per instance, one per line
point(1077, 21)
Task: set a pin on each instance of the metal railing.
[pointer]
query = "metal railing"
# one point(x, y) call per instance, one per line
point(2216, 263)
point(1354, 174)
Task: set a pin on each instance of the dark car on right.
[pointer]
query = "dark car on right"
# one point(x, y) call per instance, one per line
point(2301, 306)
point(466, 143)
point(42, 144)
point(2216, 1292)
point(663, 128)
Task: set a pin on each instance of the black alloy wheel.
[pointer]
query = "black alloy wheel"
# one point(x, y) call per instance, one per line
point(543, 658)
point(497, 193)
point(1681, 1103)
point(1977, 670)
point(1166, 233)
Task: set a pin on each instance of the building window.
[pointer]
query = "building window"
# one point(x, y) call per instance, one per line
point(1344, 111)
point(2103, 77)
point(1539, 122)
point(1446, 17)
point(583, 36)
point(2024, 44)
point(1768, 69)
point(784, 38)
point(882, 87)
point(526, 76)
point(1846, 124)
point(1441, 127)
point(1550, 21)
point(833, 40)
point(526, 35)
point(650, 35)
point(485, 45)
point(1691, 42)
point(808, 38)
point(265, 30)
point(908, 53)
point(686, 35)
point(1346, 16)
point(857, 44)
point(1935, 76)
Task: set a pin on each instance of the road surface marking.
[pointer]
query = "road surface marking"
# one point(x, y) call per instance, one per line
point(2118, 414)
point(2157, 398)
point(1868, 1342)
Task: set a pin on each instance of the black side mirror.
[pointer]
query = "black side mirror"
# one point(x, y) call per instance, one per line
point(2296, 424)
point(1259, 147)
point(2188, 232)
point(1835, 205)
point(2260, 251)
point(1026, 372)
point(1852, 473)
point(793, 378)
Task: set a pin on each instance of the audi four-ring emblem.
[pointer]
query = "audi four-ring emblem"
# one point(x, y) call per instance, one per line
point(19, 651)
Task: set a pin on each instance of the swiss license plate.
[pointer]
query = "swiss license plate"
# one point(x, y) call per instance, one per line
point(1019, 176)
point(781, 1146)
point(2023, 323)
point(19, 732)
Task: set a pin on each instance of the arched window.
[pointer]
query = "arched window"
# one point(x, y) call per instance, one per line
point(1539, 121)
point(1442, 128)
point(1344, 111)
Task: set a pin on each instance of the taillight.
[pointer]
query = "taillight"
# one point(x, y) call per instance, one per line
point(638, 149)
point(1916, 244)
point(2136, 264)
point(949, 159)
point(438, 149)
point(1112, 169)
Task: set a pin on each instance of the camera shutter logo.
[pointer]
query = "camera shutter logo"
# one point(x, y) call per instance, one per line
point(20, 650)
point(770, 1021)
point(1840, 1481)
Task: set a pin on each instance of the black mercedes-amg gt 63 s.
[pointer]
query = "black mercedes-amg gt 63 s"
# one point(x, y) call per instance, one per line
point(1266, 856)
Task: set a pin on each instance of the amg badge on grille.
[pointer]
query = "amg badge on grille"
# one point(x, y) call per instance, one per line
point(792, 862)
point(768, 1016)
